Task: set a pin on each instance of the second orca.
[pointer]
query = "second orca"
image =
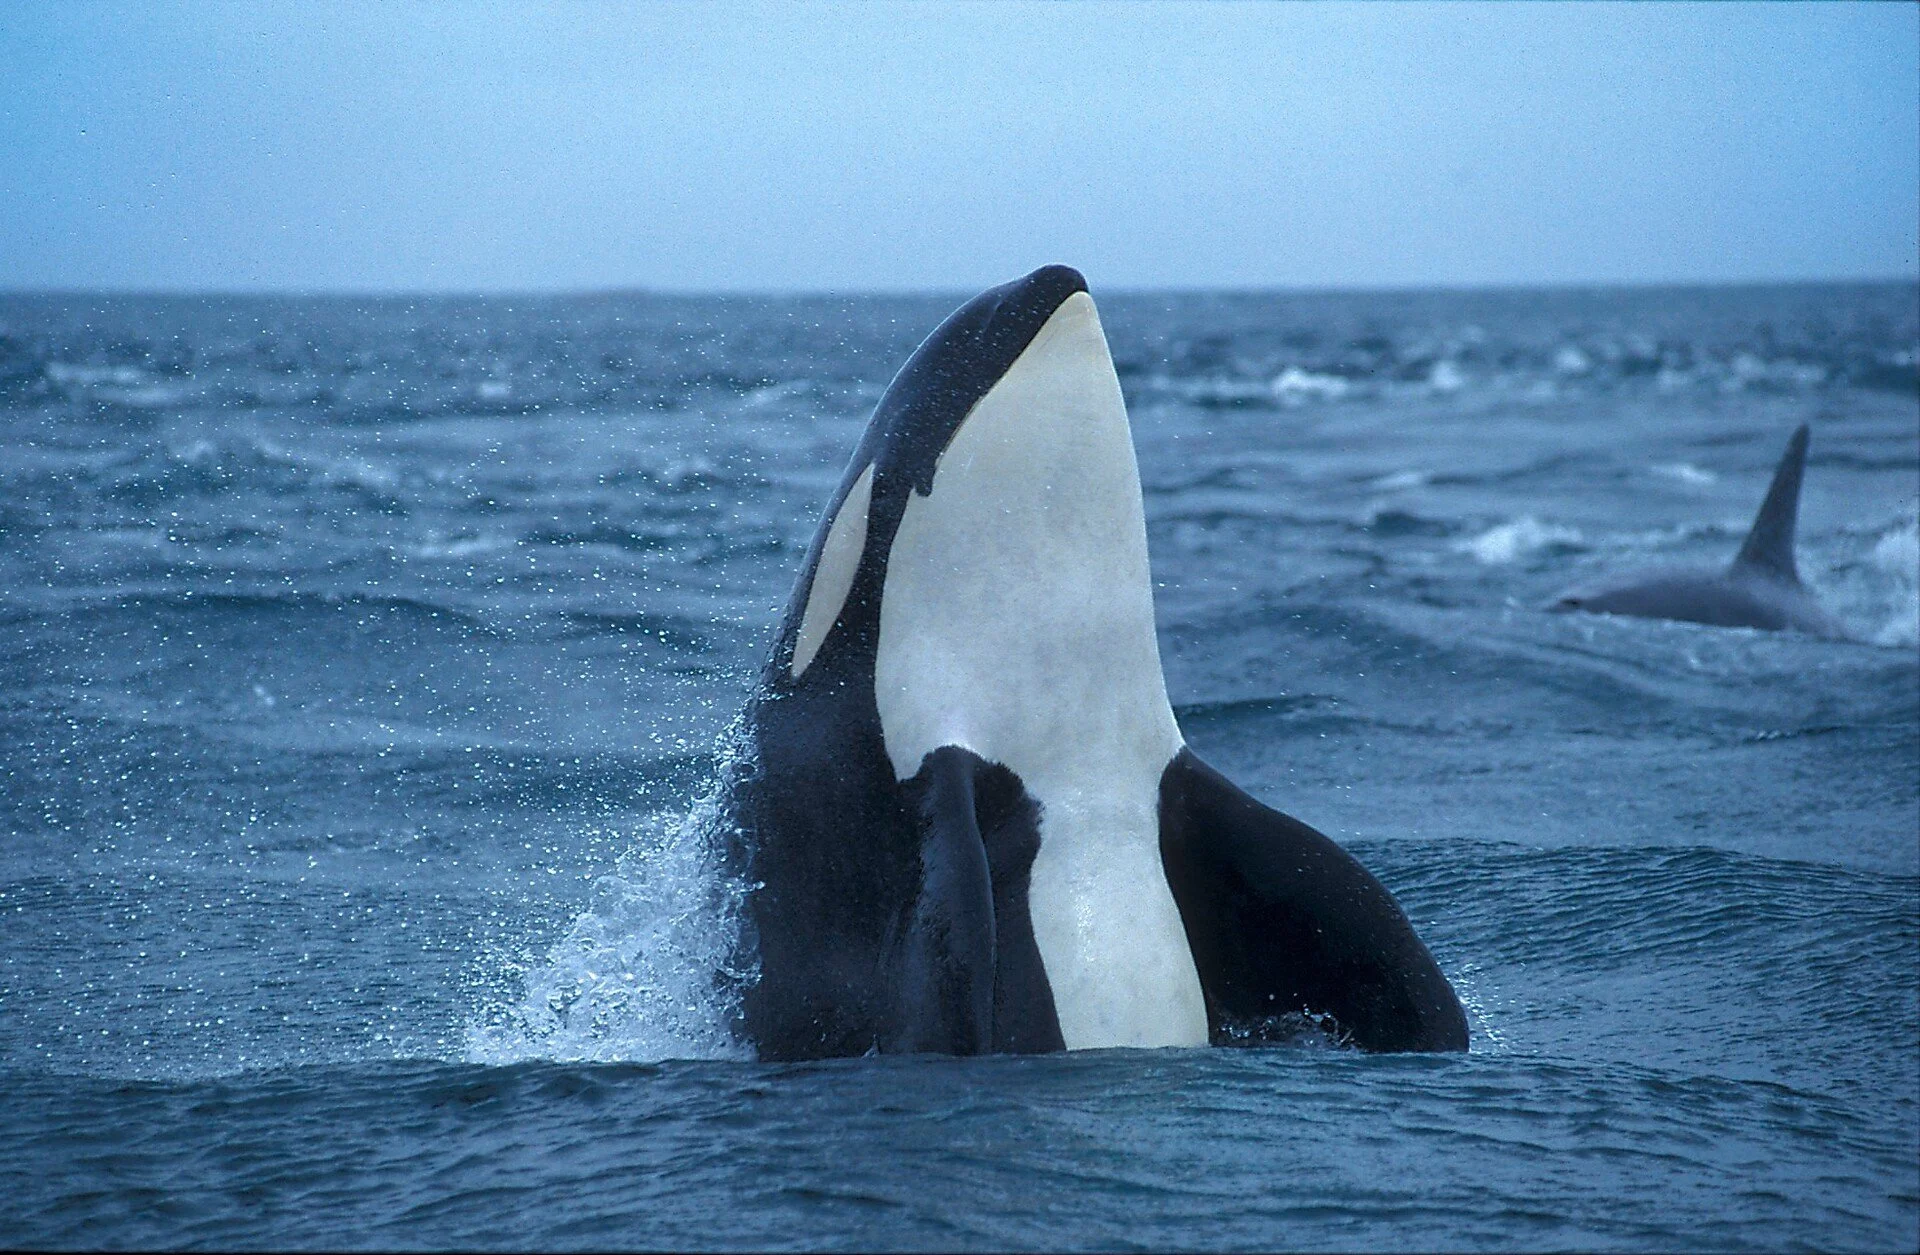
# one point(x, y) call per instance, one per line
point(1760, 588)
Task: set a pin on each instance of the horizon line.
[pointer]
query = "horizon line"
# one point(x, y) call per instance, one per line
point(856, 293)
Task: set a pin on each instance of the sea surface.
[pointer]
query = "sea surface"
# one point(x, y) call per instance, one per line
point(365, 664)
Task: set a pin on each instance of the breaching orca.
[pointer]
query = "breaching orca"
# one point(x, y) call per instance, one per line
point(1760, 589)
point(967, 816)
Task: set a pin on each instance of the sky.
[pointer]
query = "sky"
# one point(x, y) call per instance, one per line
point(786, 147)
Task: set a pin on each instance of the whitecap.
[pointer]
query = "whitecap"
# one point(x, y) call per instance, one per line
point(74, 374)
point(1446, 377)
point(153, 396)
point(1686, 473)
point(461, 546)
point(696, 471)
point(775, 393)
point(1295, 385)
point(201, 452)
point(347, 472)
point(1522, 536)
point(1569, 360)
point(1749, 370)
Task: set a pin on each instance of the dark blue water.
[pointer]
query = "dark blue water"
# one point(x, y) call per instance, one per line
point(363, 664)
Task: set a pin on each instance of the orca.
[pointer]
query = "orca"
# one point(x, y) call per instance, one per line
point(1761, 588)
point(964, 811)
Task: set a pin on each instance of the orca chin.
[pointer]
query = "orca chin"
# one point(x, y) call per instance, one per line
point(968, 814)
point(1761, 588)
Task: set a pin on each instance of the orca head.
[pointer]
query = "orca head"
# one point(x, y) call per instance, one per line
point(954, 368)
point(1018, 385)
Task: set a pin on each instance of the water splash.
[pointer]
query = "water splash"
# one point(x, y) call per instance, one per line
point(653, 968)
point(1896, 556)
point(1302, 1030)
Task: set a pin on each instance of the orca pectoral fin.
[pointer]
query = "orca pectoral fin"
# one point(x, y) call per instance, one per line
point(1283, 923)
point(943, 974)
point(1025, 1020)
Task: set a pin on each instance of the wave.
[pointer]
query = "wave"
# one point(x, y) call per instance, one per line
point(374, 362)
point(1121, 1149)
point(682, 633)
point(145, 601)
point(1582, 906)
point(1567, 949)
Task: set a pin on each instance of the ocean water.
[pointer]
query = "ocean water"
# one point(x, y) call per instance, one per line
point(365, 667)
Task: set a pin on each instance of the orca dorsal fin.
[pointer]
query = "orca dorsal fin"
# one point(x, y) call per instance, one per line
point(1769, 545)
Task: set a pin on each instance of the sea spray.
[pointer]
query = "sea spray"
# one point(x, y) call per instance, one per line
point(1896, 557)
point(653, 968)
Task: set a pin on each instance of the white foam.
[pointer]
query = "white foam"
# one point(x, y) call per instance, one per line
point(1898, 552)
point(1686, 473)
point(1508, 541)
point(774, 394)
point(1295, 385)
point(686, 473)
point(1569, 360)
point(1747, 370)
point(73, 374)
point(1446, 377)
point(153, 396)
point(1220, 391)
point(645, 972)
point(1897, 556)
point(461, 546)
